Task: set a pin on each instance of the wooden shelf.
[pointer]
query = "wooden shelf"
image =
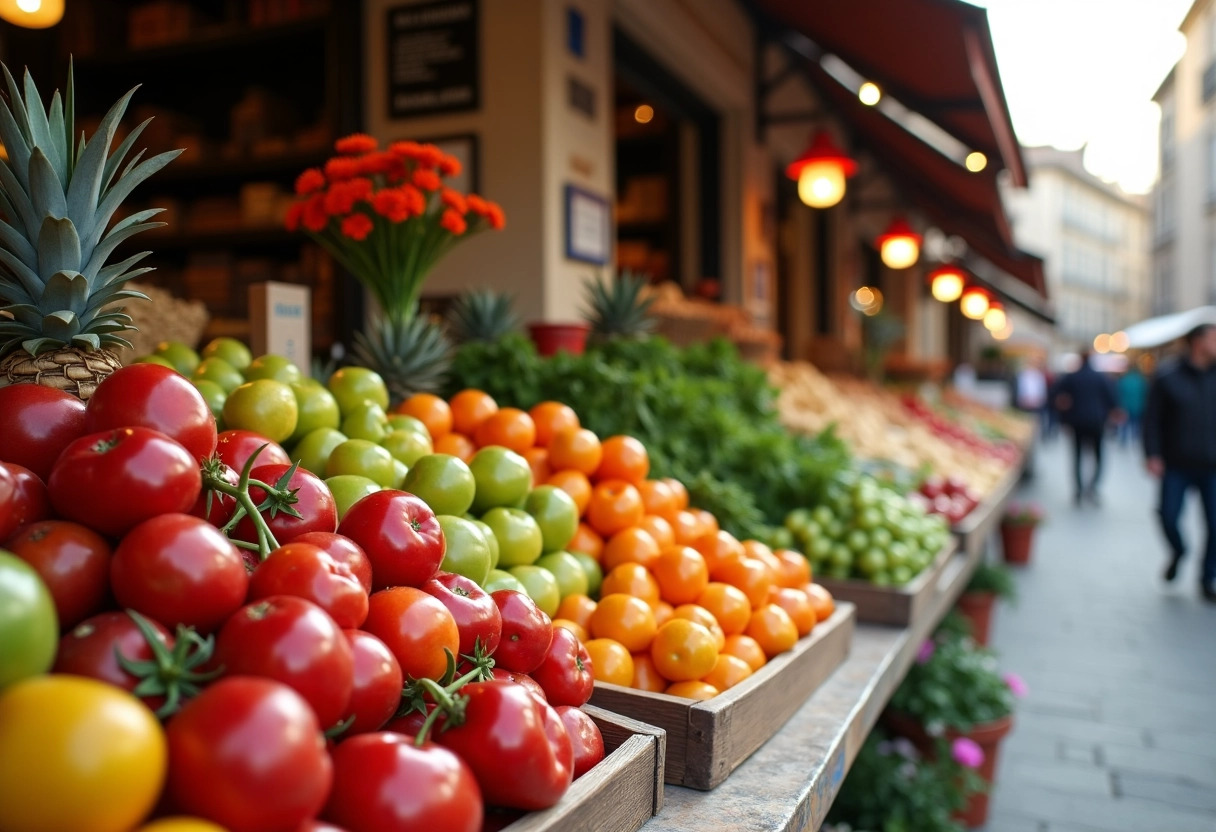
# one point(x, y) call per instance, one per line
point(244, 169)
point(260, 237)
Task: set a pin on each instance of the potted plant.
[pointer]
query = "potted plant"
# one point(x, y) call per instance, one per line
point(1017, 531)
point(989, 582)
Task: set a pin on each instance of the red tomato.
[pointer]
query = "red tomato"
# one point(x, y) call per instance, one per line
point(248, 754)
point(292, 641)
point(417, 629)
point(178, 569)
point(154, 397)
point(477, 616)
point(235, 447)
point(399, 534)
point(23, 498)
point(308, 572)
point(38, 423)
point(377, 683)
point(515, 744)
point(384, 783)
point(343, 550)
point(91, 649)
point(526, 632)
point(222, 506)
point(565, 672)
point(585, 736)
point(320, 826)
point(73, 561)
point(114, 480)
point(520, 679)
point(410, 724)
point(314, 502)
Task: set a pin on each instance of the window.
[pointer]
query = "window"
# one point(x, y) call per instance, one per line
point(1209, 82)
point(1164, 210)
point(1167, 136)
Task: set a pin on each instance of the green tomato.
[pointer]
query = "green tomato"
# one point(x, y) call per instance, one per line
point(491, 540)
point(443, 482)
point(349, 489)
point(858, 541)
point(400, 470)
point(881, 579)
point(898, 554)
point(781, 538)
point(503, 478)
point(230, 350)
point(593, 571)
point(312, 451)
point(367, 459)
point(841, 557)
point(213, 395)
point(869, 518)
point(274, 367)
point(871, 562)
point(556, 513)
point(541, 586)
point(499, 579)
point(352, 386)
point(407, 445)
point(181, 356)
point(155, 359)
point(220, 372)
point(822, 515)
point(317, 408)
point(881, 538)
point(263, 406)
point(519, 537)
point(821, 547)
point(571, 578)
point(467, 551)
point(797, 519)
point(367, 420)
point(399, 421)
point(29, 628)
point(900, 575)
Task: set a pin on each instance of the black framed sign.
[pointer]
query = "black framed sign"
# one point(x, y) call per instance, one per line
point(434, 58)
point(588, 226)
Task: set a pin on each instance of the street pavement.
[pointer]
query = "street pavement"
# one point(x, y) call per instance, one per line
point(1118, 731)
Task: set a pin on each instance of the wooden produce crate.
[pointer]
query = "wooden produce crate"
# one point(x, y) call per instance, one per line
point(974, 530)
point(897, 605)
point(707, 740)
point(618, 795)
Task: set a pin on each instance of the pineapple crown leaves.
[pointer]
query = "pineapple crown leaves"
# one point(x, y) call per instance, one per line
point(482, 315)
point(412, 355)
point(620, 308)
point(57, 199)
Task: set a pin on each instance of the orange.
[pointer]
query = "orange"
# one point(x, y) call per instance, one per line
point(538, 461)
point(469, 409)
point(610, 661)
point(719, 549)
point(509, 427)
point(746, 648)
point(659, 529)
point(728, 605)
point(681, 573)
point(585, 540)
point(821, 600)
point(431, 410)
point(773, 629)
point(457, 445)
point(683, 650)
point(625, 458)
point(631, 579)
point(750, 575)
point(574, 483)
point(615, 505)
point(797, 605)
point(625, 619)
point(550, 418)
point(573, 626)
point(575, 448)
point(687, 528)
point(658, 498)
point(704, 617)
point(709, 523)
point(576, 608)
point(756, 549)
point(795, 569)
point(678, 491)
point(728, 671)
point(631, 545)
point(693, 689)
point(645, 676)
point(663, 612)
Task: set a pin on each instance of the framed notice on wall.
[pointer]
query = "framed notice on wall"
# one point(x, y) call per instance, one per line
point(464, 148)
point(434, 58)
point(588, 226)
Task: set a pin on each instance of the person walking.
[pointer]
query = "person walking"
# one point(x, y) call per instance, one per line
point(1132, 388)
point(1180, 446)
point(1085, 400)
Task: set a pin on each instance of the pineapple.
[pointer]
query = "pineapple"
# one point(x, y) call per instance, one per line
point(56, 198)
point(622, 309)
point(482, 315)
point(412, 356)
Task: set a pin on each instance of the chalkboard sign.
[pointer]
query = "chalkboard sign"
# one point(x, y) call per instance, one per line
point(434, 58)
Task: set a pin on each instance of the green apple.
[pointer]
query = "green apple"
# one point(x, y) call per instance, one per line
point(498, 579)
point(491, 540)
point(593, 571)
point(467, 551)
point(263, 406)
point(213, 395)
point(400, 469)
point(352, 386)
point(399, 421)
point(312, 452)
point(407, 445)
point(443, 482)
point(556, 513)
point(519, 539)
point(274, 367)
point(183, 359)
point(571, 579)
point(367, 459)
point(317, 408)
point(366, 420)
point(503, 478)
point(349, 489)
point(230, 350)
point(218, 371)
point(541, 587)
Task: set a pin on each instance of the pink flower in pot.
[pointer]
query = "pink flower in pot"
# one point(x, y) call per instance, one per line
point(967, 753)
point(925, 652)
point(1016, 684)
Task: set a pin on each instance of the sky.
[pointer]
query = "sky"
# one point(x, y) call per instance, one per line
point(1084, 71)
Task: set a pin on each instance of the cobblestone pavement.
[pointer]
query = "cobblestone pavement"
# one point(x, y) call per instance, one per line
point(1118, 731)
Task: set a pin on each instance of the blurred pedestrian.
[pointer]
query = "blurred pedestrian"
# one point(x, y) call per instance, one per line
point(1180, 445)
point(1085, 400)
point(1132, 388)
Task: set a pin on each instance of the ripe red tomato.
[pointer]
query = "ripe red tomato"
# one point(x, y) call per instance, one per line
point(295, 642)
point(477, 616)
point(308, 572)
point(23, 498)
point(222, 506)
point(91, 649)
point(411, 724)
point(526, 632)
point(343, 550)
point(178, 569)
point(399, 534)
point(417, 629)
point(114, 480)
point(314, 502)
point(585, 737)
point(154, 397)
point(73, 561)
point(370, 792)
point(565, 672)
point(522, 679)
point(234, 447)
point(247, 753)
point(38, 423)
point(377, 683)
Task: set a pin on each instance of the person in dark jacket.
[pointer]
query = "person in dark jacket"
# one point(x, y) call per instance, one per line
point(1085, 400)
point(1180, 445)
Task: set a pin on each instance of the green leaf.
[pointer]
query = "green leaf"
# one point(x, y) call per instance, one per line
point(114, 340)
point(18, 244)
point(37, 345)
point(116, 270)
point(113, 294)
point(26, 276)
point(85, 189)
point(61, 325)
point(58, 246)
point(13, 292)
point(122, 189)
point(25, 313)
point(65, 291)
point(46, 191)
point(119, 154)
point(87, 340)
point(63, 149)
point(40, 128)
point(117, 234)
point(69, 117)
point(14, 192)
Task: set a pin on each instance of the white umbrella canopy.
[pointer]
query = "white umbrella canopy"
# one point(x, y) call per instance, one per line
point(1161, 330)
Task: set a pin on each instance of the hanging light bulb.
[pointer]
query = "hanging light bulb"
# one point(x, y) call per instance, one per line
point(899, 245)
point(32, 14)
point(821, 171)
point(974, 303)
point(995, 318)
point(946, 284)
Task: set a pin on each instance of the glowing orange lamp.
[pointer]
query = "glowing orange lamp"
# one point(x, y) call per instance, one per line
point(899, 245)
point(821, 171)
point(32, 14)
point(974, 303)
point(946, 283)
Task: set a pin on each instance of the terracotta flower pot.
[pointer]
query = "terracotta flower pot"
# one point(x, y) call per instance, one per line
point(977, 608)
point(1016, 542)
point(550, 338)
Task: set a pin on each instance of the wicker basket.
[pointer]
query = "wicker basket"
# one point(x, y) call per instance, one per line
point(162, 318)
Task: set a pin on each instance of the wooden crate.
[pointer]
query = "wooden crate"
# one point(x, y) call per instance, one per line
point(618, 795)
point(708, 740)
point(974, 530)
point(897, 605)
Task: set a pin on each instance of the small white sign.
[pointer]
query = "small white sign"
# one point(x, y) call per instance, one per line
point(588, 226)
point(280, 321)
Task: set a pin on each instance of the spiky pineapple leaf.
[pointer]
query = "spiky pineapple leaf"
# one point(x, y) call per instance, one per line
point(85, 188)
point(36, 345)
point(122, 189)
point(60, 325)
point(121, 231)
point(40, 128)
point(18, 104)
point(46, 191)
point(115, 293)
point(11, 292)
point(116, 270)
point(69, 118)
point(63, 151)
point(116, 158)
point(30, 283)
point(24, 313)
point(88, 340)
point(67, 291)
point(18, 244)
point(58, 246)
point(15, 191)
point(14, 132)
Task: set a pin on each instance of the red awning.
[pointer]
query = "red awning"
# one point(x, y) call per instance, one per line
point(934, 56)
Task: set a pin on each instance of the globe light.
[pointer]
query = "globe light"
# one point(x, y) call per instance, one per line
point(1119, 342)
point(995, 318)
point(976, 161)
point(974, 303)
point(946, 284)
point(821, 172)
point(32, 14)
point(899, 245)
point(869, 93)
point(1102, 343)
